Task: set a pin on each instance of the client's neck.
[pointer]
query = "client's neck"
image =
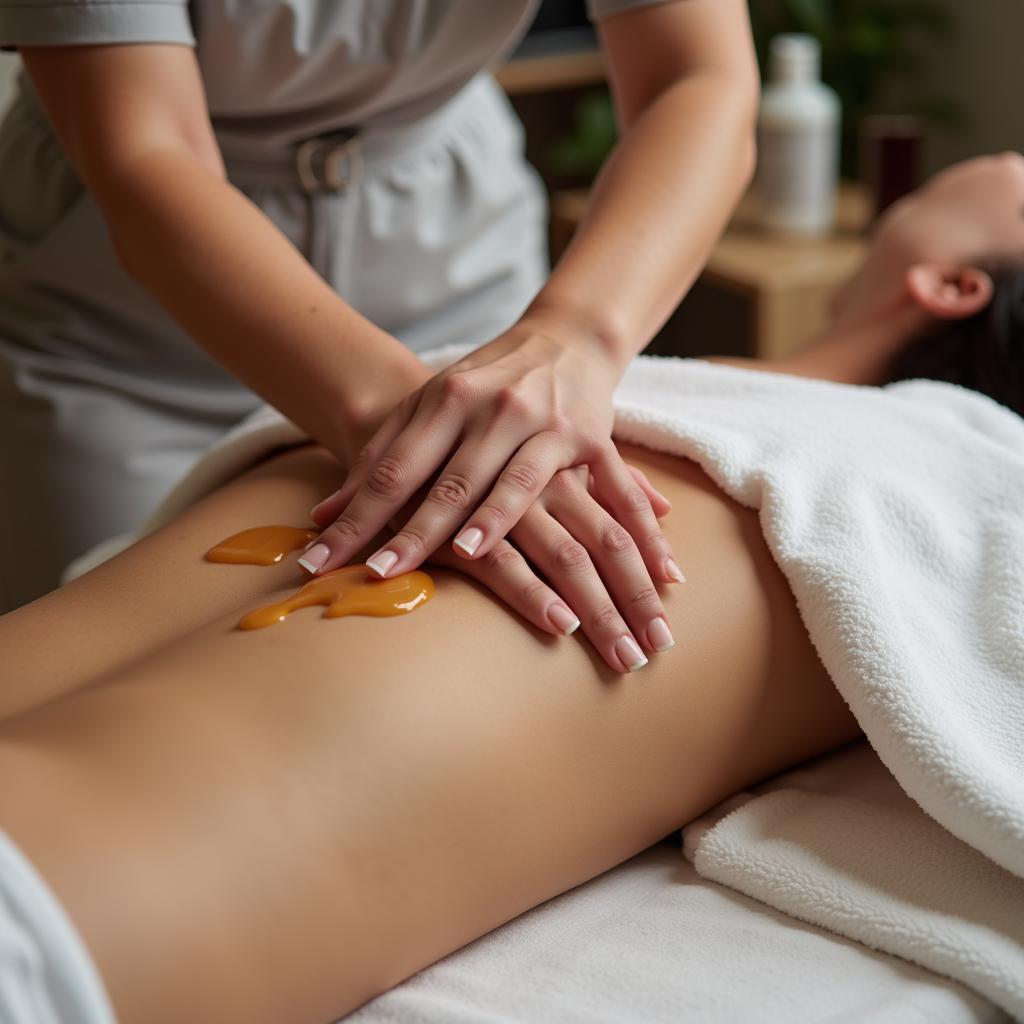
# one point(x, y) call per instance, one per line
point(859, 349)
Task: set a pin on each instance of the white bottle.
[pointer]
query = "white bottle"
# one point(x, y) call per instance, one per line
point(798, 141)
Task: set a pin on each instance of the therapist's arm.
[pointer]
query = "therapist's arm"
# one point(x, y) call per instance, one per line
point(501, 421)
point(685, 82)
point(134, 122)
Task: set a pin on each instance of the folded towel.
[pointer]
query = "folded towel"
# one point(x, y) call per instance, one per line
point(840, 845)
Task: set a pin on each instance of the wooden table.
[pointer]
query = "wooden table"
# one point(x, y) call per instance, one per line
point(782, 284)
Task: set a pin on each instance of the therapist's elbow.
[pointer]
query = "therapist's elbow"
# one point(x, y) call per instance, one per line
point(748, 158)
point(743, 101)
point(747, 88)
point(149, 200)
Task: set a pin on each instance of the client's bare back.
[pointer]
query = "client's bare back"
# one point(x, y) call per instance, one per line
point(279, 824)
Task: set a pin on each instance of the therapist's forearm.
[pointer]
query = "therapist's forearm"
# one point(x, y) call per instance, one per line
point(247, 296)
point(657, 208)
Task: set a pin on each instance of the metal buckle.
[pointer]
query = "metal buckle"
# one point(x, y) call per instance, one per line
point(329, 163)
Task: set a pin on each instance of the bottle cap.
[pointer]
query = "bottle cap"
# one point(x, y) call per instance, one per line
point(795, 58)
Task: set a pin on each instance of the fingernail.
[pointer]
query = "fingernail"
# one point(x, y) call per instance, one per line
point(382, 562)
point(674, 571)
point(309, 545)
point(659, 636)
point(469, 540)
point(315, 557)
point(629, 653)
point(562, 619)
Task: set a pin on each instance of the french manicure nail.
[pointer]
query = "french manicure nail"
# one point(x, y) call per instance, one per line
point(659, 636)
point(563, 620)
point(382, 562)
point(469, 540)
point(629, 653)
point(673, 570)
point(315, 557)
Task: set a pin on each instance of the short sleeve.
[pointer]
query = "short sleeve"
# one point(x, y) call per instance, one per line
point(597, 9)
point(71, 22)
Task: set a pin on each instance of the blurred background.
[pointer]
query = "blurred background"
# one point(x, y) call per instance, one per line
point(955, 62)
point(953, 66)
point(949, 70)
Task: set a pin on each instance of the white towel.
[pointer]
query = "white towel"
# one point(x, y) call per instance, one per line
point(897, 516)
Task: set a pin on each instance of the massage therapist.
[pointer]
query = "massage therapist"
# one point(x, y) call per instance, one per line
point(211, 204)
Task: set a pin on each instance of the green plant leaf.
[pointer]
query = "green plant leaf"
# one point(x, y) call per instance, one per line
point(942, 111)
point(583, 150)
point(869, 39)
point(919, 14)
point(595, 118)
point(814, 16)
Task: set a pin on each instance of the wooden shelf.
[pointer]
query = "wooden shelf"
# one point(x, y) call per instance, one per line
point(557, 71)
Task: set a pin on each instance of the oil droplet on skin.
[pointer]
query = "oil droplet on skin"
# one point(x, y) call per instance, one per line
point(353, 590)
point(262, 545)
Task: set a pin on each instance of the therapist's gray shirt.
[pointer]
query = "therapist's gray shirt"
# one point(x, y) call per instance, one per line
point(284, 70)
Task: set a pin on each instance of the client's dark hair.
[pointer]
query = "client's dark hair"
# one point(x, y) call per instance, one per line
point(985, 352)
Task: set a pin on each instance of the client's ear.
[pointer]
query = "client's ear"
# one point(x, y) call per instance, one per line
point(949, 292)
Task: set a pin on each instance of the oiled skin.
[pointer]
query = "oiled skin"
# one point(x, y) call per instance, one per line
point(278, 825)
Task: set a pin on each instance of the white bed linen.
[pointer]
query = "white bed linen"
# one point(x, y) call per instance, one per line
point(653, 942)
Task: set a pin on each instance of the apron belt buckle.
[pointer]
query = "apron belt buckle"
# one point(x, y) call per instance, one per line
point(329, 163)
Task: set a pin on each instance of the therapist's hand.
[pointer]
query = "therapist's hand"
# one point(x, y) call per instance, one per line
point(490, 431)
point(595, 576)
point(591, 562)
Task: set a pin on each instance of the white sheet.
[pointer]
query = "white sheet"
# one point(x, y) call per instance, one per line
point(653, 942)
